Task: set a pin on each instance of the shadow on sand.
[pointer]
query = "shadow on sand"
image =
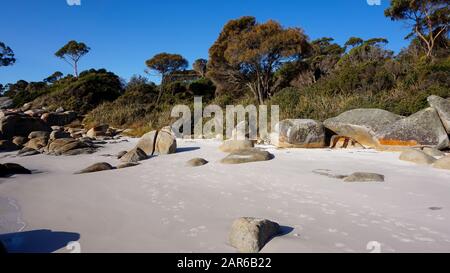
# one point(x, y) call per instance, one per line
point(37, 241)
point(187, 149)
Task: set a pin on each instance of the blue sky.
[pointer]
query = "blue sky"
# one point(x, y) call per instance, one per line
point(123, 34)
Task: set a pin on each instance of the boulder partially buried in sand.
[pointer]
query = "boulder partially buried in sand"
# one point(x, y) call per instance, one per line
point(364, 177)
point(231, 145)
point(98, 167)
point(196, 162)
point(423, 128)
point(416, 156)
point(442, 163)
point(249, 235)
point(161, 142)
point(134, 156)
point(247, 156)
point(8, 169)
point(299, 133)
point(361, 124)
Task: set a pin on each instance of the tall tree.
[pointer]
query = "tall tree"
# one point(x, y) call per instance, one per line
point(247, 54)
point(166, 64)
point(6, 55)
point(430, 19)
point(72, 52)
point(200, 67)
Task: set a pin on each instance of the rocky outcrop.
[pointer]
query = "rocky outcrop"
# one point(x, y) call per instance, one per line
point(69, 146)
point(250, 235)
point(98, 167)
point(442, 106)
point(247, 156)
point(299, 133)
point(97, 131)
point(361, 125)
point(424, 128)
point(21, 125)
point(59, 118)
point(343, 142)
point(6, 103)
point(231, 145)
point(37, 143)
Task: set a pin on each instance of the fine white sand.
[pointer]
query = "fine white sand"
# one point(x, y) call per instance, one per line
point(165, 206)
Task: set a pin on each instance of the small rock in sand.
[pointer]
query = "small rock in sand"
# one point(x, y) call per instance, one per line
point(417, 156)
point(197, 162)
point(443, 163)
point(98, 167)
point(127, 165)
point(364, 177)
point(249, 235)
point(230, 146)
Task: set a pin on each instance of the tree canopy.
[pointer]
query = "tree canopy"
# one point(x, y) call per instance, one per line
point(199, 66)
point(6, 55)
point(247, 54)
point(72, 52)
point(430, 19)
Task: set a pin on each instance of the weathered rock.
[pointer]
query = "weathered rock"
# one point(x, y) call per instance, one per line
point(59, 134)
point(80, 151)
point(62, 146)
point(36, 113)
point(98, 167)
point(134, 156)
point(442, 163)
point(127, 165)
point(27, 152)
point(442, 107)
point(166, 142)
point(197, 162)
point(417, 156)
point(37, 143)
point(250, 235)
point(361, 124)
point(232, 145)
point(424, 128)
point(7, 146)
point(59, 119)
point(299, 133)
point(247, 156)
point(57, 128)
point(364, 177)
point(19, 125)
point(39, 134)
point(161, 142)
point(121, 154)
point(9, 169)
point(6, 102)
point(343, 142)
point(98, 131)
point(19, 141)
point(432, 151)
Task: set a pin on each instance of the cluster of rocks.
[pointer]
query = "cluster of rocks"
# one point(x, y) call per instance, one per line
point(56, 133)
point(158, 142)
point(370, 128)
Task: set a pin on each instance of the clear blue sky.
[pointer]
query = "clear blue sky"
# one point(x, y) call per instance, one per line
point(123, 34)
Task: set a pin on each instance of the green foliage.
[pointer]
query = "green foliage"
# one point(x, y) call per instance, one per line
point(6, 55)
point(72, 52)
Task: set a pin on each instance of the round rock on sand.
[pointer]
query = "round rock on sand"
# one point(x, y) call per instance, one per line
point(417, 157)
point(249, 235)
point(98, 167)
point(197, 162)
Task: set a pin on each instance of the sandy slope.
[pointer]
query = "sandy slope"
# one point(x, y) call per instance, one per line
point(164, 206)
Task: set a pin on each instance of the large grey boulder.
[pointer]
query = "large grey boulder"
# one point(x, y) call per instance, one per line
point(423, 128)
point(231, 145)
point(69, 146)
point(21, 125)
point(416, 156)
point(134, 156)
point(162, 142)
point(250, 235)
point(442, 107)
point(361, 124)
point(247, 156)
point(299, 133)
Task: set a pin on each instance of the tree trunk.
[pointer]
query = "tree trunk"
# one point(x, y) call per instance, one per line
point(75, 67)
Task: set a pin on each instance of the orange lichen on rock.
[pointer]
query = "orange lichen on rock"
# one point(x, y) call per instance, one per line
point(397, 142)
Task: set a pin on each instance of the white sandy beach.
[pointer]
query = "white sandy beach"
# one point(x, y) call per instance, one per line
point(164, 206)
